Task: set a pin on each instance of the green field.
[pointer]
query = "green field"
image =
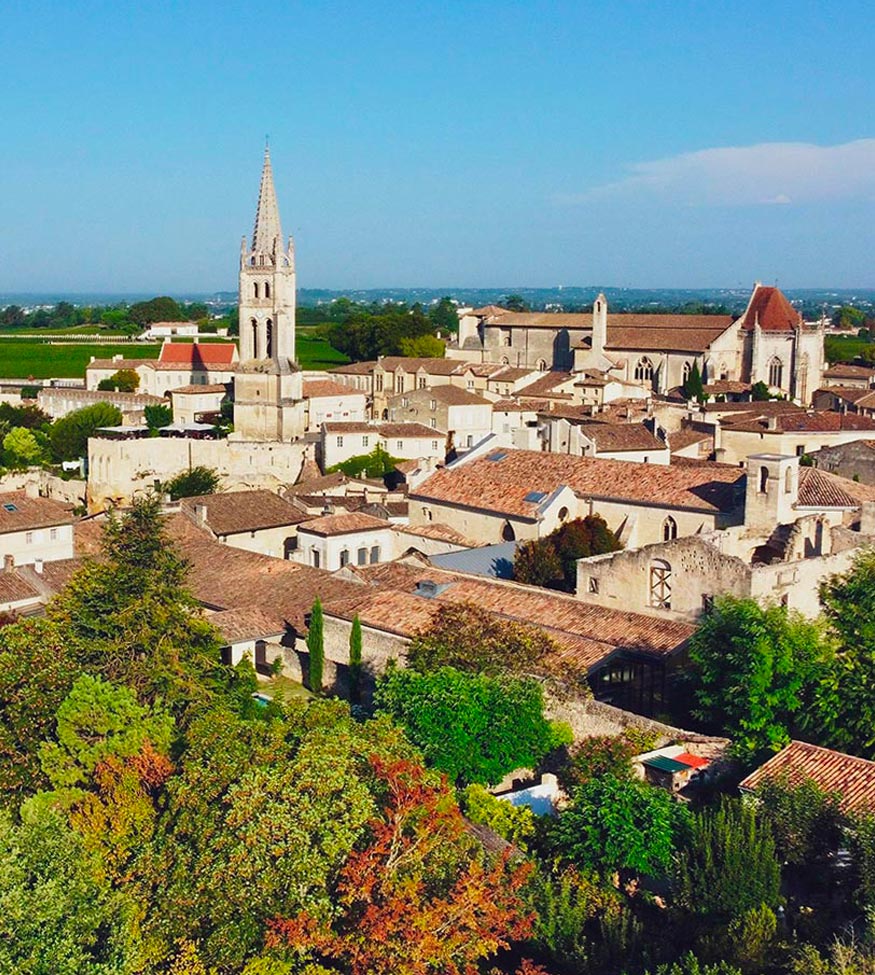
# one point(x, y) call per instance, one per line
point(34, 359)
point(844, 348)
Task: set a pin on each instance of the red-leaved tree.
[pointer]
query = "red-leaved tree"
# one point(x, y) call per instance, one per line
point(418, 898)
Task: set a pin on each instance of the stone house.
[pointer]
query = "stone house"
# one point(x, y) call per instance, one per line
point(336, 540)
point(34, 530)
point(845, 399)
point(797, 531)
point(843, 374)
point(340, 440)
point(256, 521)
point(854, 460)
point(328, 400)
point(197, 404)
point(462, 417)
point(571, 433)
point(511, 494)
point(179, 364)
point(58, 401)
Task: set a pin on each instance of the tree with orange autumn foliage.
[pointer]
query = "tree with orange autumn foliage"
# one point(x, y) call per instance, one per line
point(418, 897)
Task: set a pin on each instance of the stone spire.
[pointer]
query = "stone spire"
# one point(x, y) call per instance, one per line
point(267, 236)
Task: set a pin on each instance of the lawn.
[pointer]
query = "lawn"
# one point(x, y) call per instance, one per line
point(844, 348)
point(33, 359)
point(284, 689)
point(30, 359)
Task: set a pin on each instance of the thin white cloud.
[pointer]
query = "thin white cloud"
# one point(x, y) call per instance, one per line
point(780, 173)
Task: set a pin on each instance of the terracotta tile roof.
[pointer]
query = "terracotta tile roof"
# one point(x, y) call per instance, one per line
point(509, 374)
point(686, 438)
point(853, 778)
point(386, 609)
point(55, 574)
point(116, 364)
point(331, 482)
point(820, 489)
point(224, 577)
point(619, 437)
point(401, 430)
point(759, 408)
point(726, 386)
point(500, 482)
point(540, 319)
point(770, 308)
point(433, 366)
point(243, 511)
point(434, 529)
point(685, 333)
point(517, 406)
point(486, 310)
point(843, 370)
point(343, 524)
point(801, 422)
point(455, 396)
point(198, 355)
point(546, 386)
point(15, 589)
point(315, 388)
point(349, 426)
point(586, 634)
point(20, 513)
point(197, 389)
point(355, 368)
point(251, 623)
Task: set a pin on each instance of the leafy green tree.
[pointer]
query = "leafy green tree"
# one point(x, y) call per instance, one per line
point(122, 381)
point(690, 965)
point(98, 720)
point(729, 866)
point(596, 756)
point(515, 823)
point(162, 309)
point(552, 561)
point(844, 713)
point(473, 727)
point(753, 670)
point(377, 464)
point(847, 316)
point(130, 619)
point(56, 916)
point(192, 483)
point(158, 416)
point(515, 303)
point(29, 416)
point(693, 387)
point(316, 647)
point(806, 821)
point(22, 448)
point(37, 670)
point(616, 823)
point(444, 315)
point(260, 816)
point(423, 346)
point(469, 638)
point(355, 660)
point(759, 392)
point(69, 435)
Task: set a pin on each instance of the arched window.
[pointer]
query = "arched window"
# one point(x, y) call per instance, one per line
point(788, 480)
point(269, 339)
point(764, 480)
point(505, 361)
point(541, 365)
point(254, 325)
point(344, 557)
point(776, 372)
point(660, 584)
point(267, 289)
point(563, 513)
point(669, 529)
point(507, 533)
point(644, 369)
point(255, 289)
point(688, 368)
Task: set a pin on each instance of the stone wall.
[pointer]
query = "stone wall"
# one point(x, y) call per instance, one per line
point(856, 461)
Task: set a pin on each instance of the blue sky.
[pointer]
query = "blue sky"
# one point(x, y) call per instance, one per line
point(640, 144)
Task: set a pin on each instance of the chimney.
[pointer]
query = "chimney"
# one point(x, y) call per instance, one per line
point(38, 566)
point(772, 422)
point(8, 563)
point(200, 514)
point(31, 489)
point(867, 518)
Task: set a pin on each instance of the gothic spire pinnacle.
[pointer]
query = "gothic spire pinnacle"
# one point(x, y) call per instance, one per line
point(268, 229)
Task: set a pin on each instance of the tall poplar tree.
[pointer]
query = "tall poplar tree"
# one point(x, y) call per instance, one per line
point(355, 660)
point(316, 647)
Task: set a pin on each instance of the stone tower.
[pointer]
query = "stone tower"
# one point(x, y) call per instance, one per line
point(267, 386)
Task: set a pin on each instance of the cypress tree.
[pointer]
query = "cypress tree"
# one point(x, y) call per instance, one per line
point(355, 660)
point(693, 387)
point(316, 647)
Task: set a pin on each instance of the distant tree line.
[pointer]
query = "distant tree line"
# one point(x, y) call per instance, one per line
point(65, 315)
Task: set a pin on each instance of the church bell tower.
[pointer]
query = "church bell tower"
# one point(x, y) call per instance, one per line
point(268, 384)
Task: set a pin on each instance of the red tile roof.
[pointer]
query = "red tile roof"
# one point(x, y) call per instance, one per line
point(343, 524)
point(243, 511)
point(252, 623)
point(500, 482)
point(770, 308)
point(620, 437)
point(316, 388)
point(800, 422)
point(198, 355)
point(842, 370)
point(853, 778)
point(820, 489)
point(19, 513)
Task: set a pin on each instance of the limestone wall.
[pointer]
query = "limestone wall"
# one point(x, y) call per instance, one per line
point(119, 468)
